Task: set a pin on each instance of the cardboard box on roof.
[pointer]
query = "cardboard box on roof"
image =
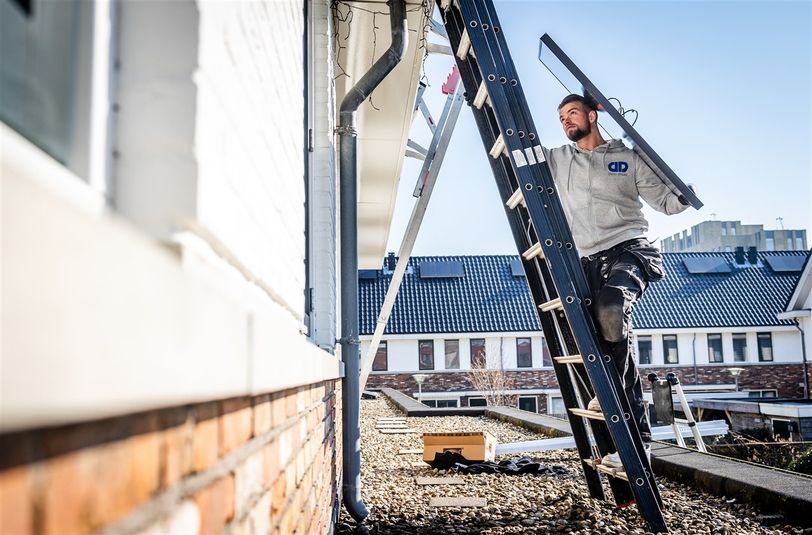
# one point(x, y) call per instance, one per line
point(474, 446)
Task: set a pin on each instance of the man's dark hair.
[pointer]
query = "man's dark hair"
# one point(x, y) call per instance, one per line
point(586, 100)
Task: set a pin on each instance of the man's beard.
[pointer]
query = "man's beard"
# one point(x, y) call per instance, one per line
point(578, 134)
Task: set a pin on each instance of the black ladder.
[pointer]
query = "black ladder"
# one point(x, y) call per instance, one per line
point(554, 274)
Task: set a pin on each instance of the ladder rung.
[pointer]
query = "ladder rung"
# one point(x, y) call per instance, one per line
point(551, 305)
point(570, 359)
point(592, 415)
point(498, 148)
point(534, 250)
point(481, 96)
point(516, 199)
point(611, 471)
point(465, 45)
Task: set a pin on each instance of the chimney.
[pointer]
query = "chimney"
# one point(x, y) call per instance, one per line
point(739, 254)
point(391, 262)
point(752, 255)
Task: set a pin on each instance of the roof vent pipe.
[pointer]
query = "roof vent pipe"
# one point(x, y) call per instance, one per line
point(739, 254)
point(752, 255)
point(348, 190)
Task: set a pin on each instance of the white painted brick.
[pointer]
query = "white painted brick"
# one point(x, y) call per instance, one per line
point(247, 484)
point(249, 137)
point(184, 519)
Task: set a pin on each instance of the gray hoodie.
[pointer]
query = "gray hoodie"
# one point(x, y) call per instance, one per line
point(601, 191)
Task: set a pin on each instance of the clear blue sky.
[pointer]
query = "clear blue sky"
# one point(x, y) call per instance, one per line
point(723, 90)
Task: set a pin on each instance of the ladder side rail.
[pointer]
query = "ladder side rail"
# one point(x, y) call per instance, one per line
point(575, 308)
point(428, 177)
point(496, 39)
point(499, 50)
point(538, 282)
point(683, 401)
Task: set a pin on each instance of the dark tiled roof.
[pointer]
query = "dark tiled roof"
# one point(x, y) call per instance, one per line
point(488, 298)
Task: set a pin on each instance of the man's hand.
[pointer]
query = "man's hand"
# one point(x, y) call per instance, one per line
point(683, 201)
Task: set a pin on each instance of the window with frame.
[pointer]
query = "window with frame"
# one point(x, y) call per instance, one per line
point(452, 354)
point(40, 80)
point(524, 353)
point(765, 347)
point(670, 350)
point(715, 348)
point(440, 403)
point(769, 393)
point(799, 243)
point(425, 354)
point(546, 358)
point(644, 349)
point(477, 402)
point(739, 347)
point(381, 361)
point(556, 407)
point(528, 403)
point(478, 354)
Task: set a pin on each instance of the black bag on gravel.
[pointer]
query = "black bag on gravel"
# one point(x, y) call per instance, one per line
point(458, 463)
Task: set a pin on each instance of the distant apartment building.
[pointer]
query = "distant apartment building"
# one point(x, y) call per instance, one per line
point(725, 236)
point(713, 313)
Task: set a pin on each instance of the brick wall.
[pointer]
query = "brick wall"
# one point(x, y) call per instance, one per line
point(785, 378)
point(254, 465)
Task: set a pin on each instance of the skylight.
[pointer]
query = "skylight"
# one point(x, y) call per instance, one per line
point(786, 264)
point(449, 269)
point(706, 264)
point(516, 268)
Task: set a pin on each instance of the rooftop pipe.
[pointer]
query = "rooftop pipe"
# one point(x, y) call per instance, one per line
point(348, 179)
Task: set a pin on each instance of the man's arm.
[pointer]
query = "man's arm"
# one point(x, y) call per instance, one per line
point(655, 192)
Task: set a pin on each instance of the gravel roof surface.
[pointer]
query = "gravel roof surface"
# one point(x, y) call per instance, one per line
point(515, 504)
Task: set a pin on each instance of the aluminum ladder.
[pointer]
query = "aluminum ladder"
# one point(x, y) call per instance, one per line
point(554, 274)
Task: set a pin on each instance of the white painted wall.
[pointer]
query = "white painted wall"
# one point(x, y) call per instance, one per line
point(197, 292)
point(785, 340)
point(403, 350)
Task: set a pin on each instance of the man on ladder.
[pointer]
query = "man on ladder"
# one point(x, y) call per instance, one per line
point(600, 184)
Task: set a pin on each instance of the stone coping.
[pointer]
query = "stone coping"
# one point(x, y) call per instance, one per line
point(772, 490)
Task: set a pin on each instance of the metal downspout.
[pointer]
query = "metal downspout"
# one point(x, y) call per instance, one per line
point(806, 364)
point(348, 190)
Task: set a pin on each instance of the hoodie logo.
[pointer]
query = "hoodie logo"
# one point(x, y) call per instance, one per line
point(618, 167)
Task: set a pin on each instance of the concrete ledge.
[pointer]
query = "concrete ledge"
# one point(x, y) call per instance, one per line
point(414, 408)
point(555, 427)
point(772, 490)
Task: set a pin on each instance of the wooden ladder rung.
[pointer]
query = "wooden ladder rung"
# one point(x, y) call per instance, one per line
point(465, 45)
point(570, 359)
point(586, 413)
point(481, 96)
point(551, 305)
point(498, 148)
point(534, 250)
point(516, 199)
point(611, 471)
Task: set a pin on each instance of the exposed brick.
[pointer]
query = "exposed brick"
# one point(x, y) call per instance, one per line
point(177, 453)
point(247, 483)
point(262, 415)
point(235, 424)
point(216, 505)
point(96, 486)
point(278, 495)
point(291, 408)
point(16, 501)
point(204, 437)
point(278, 402)
point(270, 465)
